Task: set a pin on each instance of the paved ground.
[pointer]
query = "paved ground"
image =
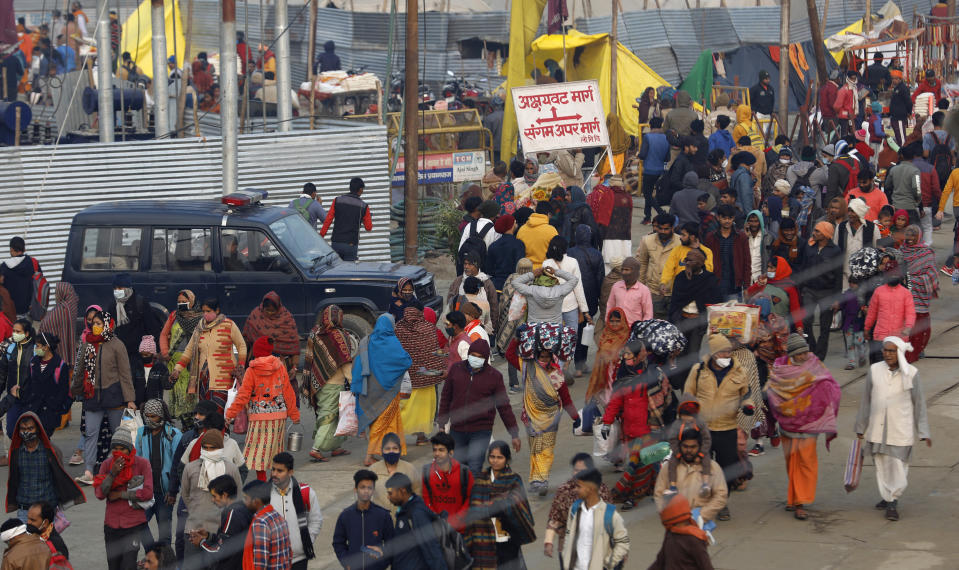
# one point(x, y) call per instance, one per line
point(843, 529)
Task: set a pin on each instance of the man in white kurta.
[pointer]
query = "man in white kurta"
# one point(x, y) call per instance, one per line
point(892, 414)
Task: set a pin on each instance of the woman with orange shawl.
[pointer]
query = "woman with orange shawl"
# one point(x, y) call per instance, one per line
point(609, 345)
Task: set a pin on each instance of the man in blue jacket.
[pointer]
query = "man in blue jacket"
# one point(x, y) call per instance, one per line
point(157, 442)
point(415, 545)
point(363, 528)
point(654, 152)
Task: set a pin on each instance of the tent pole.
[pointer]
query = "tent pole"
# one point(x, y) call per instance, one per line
point(613, 106)
point(817, 41)
point(784, 66)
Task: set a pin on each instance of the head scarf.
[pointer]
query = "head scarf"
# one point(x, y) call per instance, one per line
point(618, 139)
point(504, 197)
point(391, 359)
point(418, 338)
point(608, 346)
point(859, 207)
point(397, 310)
point(826, 229)
point(90, 348)
point(330, 345)
point(531, 178)
point(213, 463)
point(908, 370)
point(920, 261)
point(61, 320)
point(281, 327)
point(430, 316)
point(900, 214)
point(189, 318)
point(678, 519)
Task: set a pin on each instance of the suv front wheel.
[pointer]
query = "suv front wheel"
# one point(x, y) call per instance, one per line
point(357, 325)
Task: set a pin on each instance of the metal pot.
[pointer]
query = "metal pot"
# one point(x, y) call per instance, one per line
point(293, 441)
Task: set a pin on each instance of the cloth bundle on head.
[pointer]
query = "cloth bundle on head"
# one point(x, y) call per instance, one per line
point(719, 343)
point(548, 181)
point(861, 134)
point(615, 262)
point(864, 263)
point(859, 207)
point(663, 338)
point(148, 344)
point(122, 437)
point(504, 224)
point(262, 347)
point(558, 339)
point(796, 344)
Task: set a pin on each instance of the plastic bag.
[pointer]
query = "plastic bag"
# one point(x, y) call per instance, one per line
point(589, 340)
point(406, 386)
point(231, 395)
point(131, 420)
point(517, 307)
point(349, 424)
point(850, 479)
point(242, 420)
point(601, 446)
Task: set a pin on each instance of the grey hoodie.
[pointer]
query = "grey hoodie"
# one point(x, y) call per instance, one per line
point(683, 203)
point(545, 304)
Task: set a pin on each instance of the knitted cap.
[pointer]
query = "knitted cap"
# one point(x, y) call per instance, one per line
point(122, 437)
point(262, 347)
point(796, 344)
point(147, 344)
point(212, 437)
point(719, 343)
point(504, 224)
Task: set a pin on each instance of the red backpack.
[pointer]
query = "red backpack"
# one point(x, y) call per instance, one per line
point(853, 170)
point(57, 560)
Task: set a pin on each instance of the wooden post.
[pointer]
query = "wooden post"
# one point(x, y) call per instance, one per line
point(784, 66)
point(822, 23)
point(16, 133)
point(817, 42)
point(411, 132)
point(185, 73)
point(311, 57)
point(613, 48)
point(867, 21)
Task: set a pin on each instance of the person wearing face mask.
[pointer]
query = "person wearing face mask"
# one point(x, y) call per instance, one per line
point(134, 317)
point(804, 398)
point(36, 472)
point(212, 374)
point(404, 295)
point(472, 396)
point(363, 529)
point(25, 549)
point(47, 392)
point(124, 482)
point(103, 444)
point(41, 516)
point(204, 514)
point(722, 388)
point(271, 319)
point(15, 355)
point(157, 442)
point(389, 466)
point(174, 337)
point(269, 393)
point(892, 312)
point(102, 378)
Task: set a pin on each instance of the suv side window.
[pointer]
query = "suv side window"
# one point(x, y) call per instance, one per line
point(111, 249)
point(250, 250)
point(181, 249)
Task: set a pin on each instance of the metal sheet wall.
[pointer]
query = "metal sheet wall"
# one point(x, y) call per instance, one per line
point(45, 186)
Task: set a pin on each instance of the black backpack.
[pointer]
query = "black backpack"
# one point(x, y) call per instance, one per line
point(801, 181)
point(474, 244)
point(941, 158)
point(454, 549)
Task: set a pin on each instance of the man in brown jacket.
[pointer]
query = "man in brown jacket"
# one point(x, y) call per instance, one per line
point(654, 250)
point(722, 388)
point(25, 550)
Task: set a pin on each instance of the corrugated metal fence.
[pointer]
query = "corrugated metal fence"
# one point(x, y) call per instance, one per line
point(45, 186)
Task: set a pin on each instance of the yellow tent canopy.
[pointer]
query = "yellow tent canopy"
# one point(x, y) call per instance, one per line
point(138, 36)
point(593, 62)
point(855, 29)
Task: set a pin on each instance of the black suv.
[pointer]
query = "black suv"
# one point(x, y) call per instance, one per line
point(235, 250)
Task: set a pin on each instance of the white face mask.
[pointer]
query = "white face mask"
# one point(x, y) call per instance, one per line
point(475, 362)
point(723, 362)
point(784, 161)
point(771, 274)
point(118, 293)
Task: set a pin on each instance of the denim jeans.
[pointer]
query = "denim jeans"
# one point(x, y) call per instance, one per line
point(346, 251)
point(164, 516)
point(93, 420)
point(471, 448)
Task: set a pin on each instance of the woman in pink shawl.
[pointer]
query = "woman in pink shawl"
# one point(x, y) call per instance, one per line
point(804, 398)
point(920, 263)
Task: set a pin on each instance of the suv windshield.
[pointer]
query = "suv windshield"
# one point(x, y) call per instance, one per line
point(301, 240)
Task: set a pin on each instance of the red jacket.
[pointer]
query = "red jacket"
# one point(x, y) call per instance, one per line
point(444, 492)
point(926, 87)
point(632, 400)
point(845, 103)
point(742, 264)
point(827, 97)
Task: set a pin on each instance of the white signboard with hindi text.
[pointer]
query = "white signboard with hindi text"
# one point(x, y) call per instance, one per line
point(559, 116)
